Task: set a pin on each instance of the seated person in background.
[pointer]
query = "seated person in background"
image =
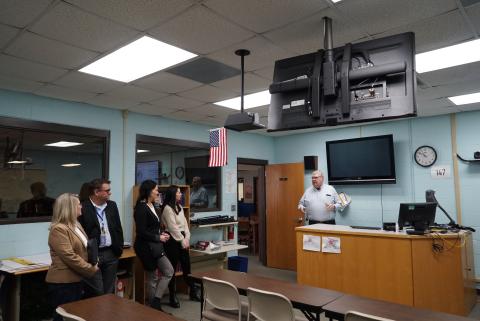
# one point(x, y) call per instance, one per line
point(39, 205)
point(198, 195)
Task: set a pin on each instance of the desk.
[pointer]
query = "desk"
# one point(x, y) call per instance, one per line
point(338, 308)
point(13, 311)
point(393, 266)
point(308, 299)
point(111, 307)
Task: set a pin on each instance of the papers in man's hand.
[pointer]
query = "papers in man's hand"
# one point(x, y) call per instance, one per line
point(25, 263)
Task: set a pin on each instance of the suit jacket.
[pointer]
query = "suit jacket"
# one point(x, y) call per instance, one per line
point(147, 227)
point(69, 256)
point(90, 224)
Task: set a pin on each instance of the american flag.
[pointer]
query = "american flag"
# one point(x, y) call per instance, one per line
point(218, 147)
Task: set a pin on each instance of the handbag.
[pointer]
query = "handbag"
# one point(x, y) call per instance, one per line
point(156, 249)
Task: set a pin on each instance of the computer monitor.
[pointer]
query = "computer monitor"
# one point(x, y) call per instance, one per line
point(417, 215)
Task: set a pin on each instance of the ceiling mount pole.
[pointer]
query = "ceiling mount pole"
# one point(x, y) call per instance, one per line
point(242, 53)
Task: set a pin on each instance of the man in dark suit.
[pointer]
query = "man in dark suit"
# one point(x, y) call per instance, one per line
point(101, 221)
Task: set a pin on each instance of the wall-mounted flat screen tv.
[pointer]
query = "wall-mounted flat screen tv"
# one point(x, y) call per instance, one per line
point(366, 160)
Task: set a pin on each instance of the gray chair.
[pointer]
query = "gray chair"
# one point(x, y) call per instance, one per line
point(269, 306)
point(358, 316)
point(221, 301)
point(68, 316)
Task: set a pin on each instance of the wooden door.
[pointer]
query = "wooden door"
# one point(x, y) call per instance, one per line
point(284, 188)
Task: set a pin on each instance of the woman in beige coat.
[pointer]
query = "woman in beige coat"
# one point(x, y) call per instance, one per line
point(68, 248)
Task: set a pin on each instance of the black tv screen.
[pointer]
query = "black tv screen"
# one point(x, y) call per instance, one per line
point(367, 160)
point(359, 82)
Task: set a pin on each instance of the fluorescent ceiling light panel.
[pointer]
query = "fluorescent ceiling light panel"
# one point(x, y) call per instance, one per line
point(17, 162)
point(456, 55)
point(335, 1)
point(63, 144)
point(137, 59)
point(71, 165)
point(142, 150)
point(253, 100)
point(466, 99)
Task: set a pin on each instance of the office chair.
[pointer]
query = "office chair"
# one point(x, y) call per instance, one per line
point(269, 306)
point(223, 299)
point(68, 316)
point(358, 316)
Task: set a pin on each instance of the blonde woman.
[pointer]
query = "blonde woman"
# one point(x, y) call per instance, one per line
point(68, 248)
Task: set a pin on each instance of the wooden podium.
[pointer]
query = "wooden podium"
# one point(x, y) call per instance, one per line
point(393, 266)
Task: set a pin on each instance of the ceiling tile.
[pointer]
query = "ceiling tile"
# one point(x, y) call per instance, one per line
point(36, 48)
point(437, 32)
point(307, 35)
point(199, 30)
point(87, 82)
point(204, 70)
point(149, 109)
point(462, 73)
point(253, 83)
point(266, 72)
point(20, 13)
point(208, 94)
point(184, 115)
point(7, 33)
point(376, 17)
point(166, 82)
point(138, 14)
point(136, 93)
point(469, 107)
point(20, 68)
point(176, 102)
point(69, 24)
point(263, 53)
point(213, 111)
point(473, 13)
point(19, 84)
point(112, 101)
point(64, 93)
point(448, 90)
point(261, 16)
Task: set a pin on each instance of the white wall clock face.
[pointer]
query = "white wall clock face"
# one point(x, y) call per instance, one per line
point(425, 156)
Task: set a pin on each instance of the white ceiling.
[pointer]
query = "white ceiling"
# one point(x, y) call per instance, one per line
point(44, 42)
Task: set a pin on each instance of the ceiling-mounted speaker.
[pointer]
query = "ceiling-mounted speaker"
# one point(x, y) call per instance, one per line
point(310, 163)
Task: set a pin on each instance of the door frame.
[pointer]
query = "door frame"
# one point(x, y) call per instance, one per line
point(262, 227)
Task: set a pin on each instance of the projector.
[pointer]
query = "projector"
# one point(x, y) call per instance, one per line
point(243, 121)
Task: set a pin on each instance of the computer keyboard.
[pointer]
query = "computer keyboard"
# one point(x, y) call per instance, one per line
point(366, 227)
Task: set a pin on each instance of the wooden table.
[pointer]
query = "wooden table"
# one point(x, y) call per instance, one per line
point(398, 312)
point(13, 310)
point(309, 300)
point(111, 307)
point(393, 266)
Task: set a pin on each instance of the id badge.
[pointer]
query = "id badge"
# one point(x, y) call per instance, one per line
point(103, 238)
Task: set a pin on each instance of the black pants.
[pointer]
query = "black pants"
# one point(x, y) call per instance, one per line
point(332, 222)
point(61, 293)
point(176, 253)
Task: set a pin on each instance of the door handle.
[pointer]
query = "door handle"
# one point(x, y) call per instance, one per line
point(300, 219)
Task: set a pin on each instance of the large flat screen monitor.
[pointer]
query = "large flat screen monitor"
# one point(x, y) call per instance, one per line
point(147, 170)
point(366, 160)
point(371, 80)
point(417, 215)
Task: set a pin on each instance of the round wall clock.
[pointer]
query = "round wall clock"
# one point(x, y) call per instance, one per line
point(179, 172)
point(425, 156)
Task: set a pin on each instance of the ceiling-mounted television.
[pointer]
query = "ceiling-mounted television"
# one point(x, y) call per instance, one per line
point(359, 82)
point(366, 160)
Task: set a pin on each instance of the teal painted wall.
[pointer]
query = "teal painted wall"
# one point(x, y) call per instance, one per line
point(123, 130)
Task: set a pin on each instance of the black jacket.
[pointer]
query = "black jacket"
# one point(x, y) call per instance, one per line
point(147, 230)
point(90, 224)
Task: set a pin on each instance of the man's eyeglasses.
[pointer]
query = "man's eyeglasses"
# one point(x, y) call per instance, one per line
point(104, 190)
point(315, 177)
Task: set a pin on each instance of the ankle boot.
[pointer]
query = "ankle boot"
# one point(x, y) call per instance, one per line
point(173, 295)
point(156, 304)
point(195, 293)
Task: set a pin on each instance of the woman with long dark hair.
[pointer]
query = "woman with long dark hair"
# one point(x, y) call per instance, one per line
point(149, 243)
point(177, 246)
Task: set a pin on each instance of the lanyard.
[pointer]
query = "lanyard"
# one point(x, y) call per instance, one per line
point(102, 219)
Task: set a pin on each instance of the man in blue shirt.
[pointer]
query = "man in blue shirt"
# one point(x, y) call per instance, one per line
point(101, 221)
point(320, 201)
